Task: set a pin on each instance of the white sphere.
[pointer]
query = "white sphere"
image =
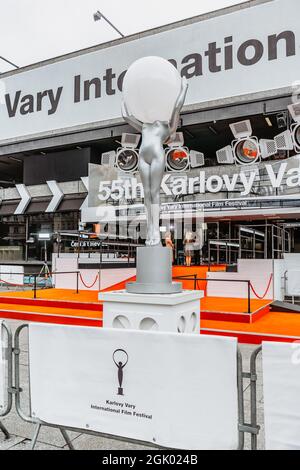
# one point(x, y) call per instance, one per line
point(150, 89)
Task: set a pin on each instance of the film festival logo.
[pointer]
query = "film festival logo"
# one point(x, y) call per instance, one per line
point(120, 358)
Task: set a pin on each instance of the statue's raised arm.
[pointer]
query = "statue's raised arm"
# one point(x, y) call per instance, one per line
point(130, 119)
point(174, 121)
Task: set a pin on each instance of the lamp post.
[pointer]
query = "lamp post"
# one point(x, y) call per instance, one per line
point(98, 16)
point(9, 62)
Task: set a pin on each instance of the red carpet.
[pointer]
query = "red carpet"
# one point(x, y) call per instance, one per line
point(219, 316)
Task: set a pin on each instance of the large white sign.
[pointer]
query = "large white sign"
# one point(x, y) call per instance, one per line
point(281, 381)
point(129, 189)
point(250, 50)
point(174, 390)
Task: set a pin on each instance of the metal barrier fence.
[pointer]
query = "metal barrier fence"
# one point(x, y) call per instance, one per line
point(253, 393)
point(191, 277)
point(195, 280)
point(34, 280)
point(14, 387)
point(8, 351)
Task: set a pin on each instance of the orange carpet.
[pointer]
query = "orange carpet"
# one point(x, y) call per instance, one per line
point(51, 311)
point(222, 304)
point(274, 326)
point(68, 295)
point(87, 310)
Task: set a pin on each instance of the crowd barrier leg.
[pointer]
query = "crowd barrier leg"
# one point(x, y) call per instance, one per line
point(4, 431)
point(67, 439)
point(8, 353)
point(253, 397)
point(18, 391)
point(241, 410)
point(35, 436)
point(244, 427)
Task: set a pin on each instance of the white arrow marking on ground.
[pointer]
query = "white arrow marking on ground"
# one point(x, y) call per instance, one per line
point(25, 199)
point(85, 180)
point(57, 196)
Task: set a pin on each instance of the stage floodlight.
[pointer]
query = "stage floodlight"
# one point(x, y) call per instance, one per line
point(196, 159)
point(246, 151)
point(225, 156)
point(178, 140)
point(177, 156)
point(127, 160)
point(108, 158)
point(127, 156)
point(245, 148)
point(284, 141)
point(268, 148)
point(242, 129)
point(295, 131)
point(290, 139)
point(44, 236)
point(177, 159)
point(130, 141)
point(294, 109)
point(97, 16)
point(281, 120)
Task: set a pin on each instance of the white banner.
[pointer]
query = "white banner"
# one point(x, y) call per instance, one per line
point(250, 50)
point(2, 370)
point(293, 287)
point(174, 390)
point(9, 274)
point(281, 378)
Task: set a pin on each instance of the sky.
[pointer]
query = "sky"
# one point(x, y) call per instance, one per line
point(35, 30)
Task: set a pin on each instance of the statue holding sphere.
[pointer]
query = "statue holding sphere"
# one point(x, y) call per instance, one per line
point(153, 96)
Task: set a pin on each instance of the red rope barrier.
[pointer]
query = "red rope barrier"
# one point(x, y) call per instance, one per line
point(12, 284)
point(85, 285)
point(267, 290)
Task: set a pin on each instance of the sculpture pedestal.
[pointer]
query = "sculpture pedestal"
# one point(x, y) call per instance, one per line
point(177, 313)
point(154, 272)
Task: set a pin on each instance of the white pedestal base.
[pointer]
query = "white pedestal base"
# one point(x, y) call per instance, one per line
point(177, 313)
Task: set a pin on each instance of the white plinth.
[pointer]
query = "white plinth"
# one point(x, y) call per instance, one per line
point(178, 313)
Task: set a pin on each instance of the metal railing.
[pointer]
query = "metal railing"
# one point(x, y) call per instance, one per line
point(195, 279)
point(190, 277)
point(35, 276)
point(8, 350)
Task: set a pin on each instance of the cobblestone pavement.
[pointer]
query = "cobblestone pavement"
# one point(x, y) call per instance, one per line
point(51, 439)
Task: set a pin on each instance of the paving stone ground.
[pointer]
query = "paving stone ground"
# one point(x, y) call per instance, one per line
point(51, 439)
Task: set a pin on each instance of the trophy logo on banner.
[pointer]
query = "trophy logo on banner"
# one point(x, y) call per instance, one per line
point(120, 358)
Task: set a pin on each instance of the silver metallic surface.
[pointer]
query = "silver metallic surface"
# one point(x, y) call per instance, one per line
point(152, 160)
point(154, 272)
point(9, 385)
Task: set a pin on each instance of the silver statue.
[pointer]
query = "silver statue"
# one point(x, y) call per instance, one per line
point(152, 160)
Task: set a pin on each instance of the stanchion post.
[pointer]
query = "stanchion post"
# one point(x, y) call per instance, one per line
point(100, 267)
point(77, 282)
point(34, 286)
point(195, 281)
point(249, 298)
